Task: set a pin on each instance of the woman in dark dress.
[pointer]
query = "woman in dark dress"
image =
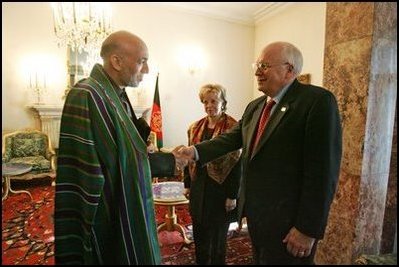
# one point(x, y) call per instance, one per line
point(213, 188)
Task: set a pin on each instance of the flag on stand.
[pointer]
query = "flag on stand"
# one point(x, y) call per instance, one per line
point(156, 116)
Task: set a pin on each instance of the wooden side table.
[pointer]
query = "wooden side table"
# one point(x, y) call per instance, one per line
point(170, 194)
point(12, 169)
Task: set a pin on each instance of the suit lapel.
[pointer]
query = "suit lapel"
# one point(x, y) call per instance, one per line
point(274, 120)
point(278, 114)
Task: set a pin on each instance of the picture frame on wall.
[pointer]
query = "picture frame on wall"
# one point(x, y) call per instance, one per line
point(304, 78)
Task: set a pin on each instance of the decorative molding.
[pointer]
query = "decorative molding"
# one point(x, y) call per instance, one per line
point(50, 119)
point(48, 110)
point(270, 9)
point(216, 10)
point(244, 13)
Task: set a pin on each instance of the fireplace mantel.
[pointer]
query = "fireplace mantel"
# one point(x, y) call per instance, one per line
point(50, 120)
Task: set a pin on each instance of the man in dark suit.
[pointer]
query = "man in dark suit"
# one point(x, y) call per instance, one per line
point(292, 145)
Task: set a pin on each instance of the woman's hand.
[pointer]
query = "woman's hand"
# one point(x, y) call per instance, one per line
point(230, 204)
point(186, 193)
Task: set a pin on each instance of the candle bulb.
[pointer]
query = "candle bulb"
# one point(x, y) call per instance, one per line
point(89, 11)
point(36, 81)
point(62, 13)
point(103, 20)
point(55, 28)
point(74, 13)
point(30, 80)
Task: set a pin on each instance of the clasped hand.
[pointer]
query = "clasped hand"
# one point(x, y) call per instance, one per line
point(182, 156)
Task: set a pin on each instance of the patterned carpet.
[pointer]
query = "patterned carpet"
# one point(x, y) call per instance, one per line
point(238, 251)
point(28, 238)
point(27, 228)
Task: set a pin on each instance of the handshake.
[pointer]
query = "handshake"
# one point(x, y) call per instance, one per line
point(183, 155)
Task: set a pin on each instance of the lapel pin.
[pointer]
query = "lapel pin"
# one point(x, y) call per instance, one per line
point(283, 109)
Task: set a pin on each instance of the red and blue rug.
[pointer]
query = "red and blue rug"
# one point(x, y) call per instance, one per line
point(27, 228)
point(28, 233)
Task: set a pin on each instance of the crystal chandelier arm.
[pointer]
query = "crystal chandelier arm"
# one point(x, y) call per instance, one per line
point(80, 24)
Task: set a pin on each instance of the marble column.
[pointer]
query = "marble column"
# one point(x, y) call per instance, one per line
point(360, 69)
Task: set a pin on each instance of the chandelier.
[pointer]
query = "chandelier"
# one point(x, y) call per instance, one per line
point(81, 25)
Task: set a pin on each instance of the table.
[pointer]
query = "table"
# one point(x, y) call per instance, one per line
point(170, 194)
point(13, 169)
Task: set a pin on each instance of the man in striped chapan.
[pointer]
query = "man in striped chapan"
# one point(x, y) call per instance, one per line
point(104, 210)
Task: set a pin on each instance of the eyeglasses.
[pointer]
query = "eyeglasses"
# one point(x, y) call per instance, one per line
point(264, 66)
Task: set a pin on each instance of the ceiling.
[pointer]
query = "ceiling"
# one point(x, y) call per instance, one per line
point(247, 13)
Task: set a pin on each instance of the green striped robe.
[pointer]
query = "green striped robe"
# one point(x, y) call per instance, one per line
point(104, 210)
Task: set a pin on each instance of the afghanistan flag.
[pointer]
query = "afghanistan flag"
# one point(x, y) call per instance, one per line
point(156, 117)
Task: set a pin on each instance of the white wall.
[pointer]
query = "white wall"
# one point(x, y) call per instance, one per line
point(228, 53)
point(27, 34)
point(227, 48)
point(302, 24)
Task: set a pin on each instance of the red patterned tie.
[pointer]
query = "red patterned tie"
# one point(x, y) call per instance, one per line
point(263, 121)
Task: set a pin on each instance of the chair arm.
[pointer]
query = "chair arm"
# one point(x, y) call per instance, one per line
point(382, 259)
point(53, 162)
point(7, 153)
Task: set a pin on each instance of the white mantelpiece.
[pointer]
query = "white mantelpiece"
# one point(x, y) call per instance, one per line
point(50, 118)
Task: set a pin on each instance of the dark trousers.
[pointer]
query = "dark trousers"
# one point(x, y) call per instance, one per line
point(268, 248)
point(210, 242)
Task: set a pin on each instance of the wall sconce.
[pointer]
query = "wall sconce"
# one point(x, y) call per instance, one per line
point(192, 59)
point(37, 83)
point(42, 76)
point(193, 66)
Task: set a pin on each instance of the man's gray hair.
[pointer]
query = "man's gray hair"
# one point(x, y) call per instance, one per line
point(293, 56)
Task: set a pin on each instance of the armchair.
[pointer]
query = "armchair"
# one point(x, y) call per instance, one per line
point(32, 147)
point(382, 259)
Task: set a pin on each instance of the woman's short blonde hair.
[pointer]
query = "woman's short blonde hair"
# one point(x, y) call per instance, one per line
point(216, 88)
